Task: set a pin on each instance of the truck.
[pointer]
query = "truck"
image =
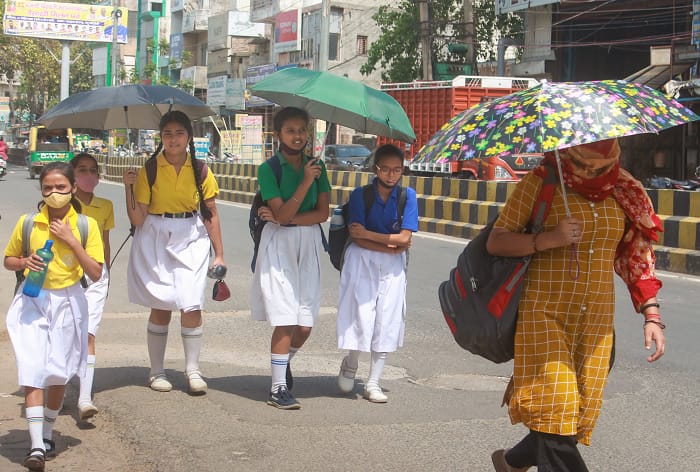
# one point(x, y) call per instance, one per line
point(48, 145)
point(431, 104)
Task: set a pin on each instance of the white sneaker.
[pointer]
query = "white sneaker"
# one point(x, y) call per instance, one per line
point(160, 383)
point(87, 410)
point(374, 394)
point(195, 382)
point(346, 377)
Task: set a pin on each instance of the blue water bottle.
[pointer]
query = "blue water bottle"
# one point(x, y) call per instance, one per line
point(35, 280)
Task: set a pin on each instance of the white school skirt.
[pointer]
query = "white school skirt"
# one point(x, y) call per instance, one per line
point(371, 301)
point(49, 336)
point(96, 295)
point(286, 289)
point(168, 264)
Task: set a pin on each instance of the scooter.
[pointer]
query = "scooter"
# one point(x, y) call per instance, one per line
point(3, 164)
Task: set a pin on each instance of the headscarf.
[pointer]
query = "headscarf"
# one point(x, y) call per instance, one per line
point(593, 171)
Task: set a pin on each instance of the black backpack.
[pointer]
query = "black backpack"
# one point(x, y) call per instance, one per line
point(339, 238)
point(480, 299)
point(255, 223)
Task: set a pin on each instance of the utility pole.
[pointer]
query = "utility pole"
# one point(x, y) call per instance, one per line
point(65, 69)
point(116, 14)
point(325, 34)
point(424, 18)
point(470, 33)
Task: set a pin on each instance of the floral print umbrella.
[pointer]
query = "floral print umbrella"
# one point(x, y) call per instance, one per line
point(553, 116)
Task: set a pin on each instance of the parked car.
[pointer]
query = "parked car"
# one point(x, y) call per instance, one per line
point(346, 156)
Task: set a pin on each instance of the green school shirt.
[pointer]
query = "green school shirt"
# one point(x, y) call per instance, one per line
point(291, 179)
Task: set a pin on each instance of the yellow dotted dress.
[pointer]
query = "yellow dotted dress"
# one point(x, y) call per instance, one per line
point(565, 327)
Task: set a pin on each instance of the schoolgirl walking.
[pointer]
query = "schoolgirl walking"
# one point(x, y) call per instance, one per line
point(49, 331)
point(176, 223)
point(372, 292)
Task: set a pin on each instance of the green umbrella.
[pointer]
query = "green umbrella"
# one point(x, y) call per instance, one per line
point(337, 99)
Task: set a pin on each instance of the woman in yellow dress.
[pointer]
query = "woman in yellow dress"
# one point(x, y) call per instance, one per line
point(565, 331)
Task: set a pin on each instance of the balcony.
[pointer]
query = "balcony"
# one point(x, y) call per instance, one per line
point(264, 11)
point(195, 21)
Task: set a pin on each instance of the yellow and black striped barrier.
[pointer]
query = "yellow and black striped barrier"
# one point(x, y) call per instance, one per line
point(461, 208)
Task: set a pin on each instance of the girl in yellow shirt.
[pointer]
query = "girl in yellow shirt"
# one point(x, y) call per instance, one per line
point(87, 176)
point(49, 332)
point(176, 224)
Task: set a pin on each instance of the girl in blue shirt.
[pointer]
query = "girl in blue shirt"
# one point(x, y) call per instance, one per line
point(372, 293)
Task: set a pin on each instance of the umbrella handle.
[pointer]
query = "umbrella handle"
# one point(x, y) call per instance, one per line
point(563, 187)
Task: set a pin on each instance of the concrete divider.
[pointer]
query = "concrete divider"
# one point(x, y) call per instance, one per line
point(461, 208)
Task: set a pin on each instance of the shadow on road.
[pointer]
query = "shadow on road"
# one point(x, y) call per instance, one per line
point(16, 444)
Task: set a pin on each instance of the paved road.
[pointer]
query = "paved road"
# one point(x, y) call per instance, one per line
point(443, 412)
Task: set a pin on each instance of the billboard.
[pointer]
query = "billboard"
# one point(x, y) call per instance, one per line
point(509, 6)
point(64, 21)
point(288, 31)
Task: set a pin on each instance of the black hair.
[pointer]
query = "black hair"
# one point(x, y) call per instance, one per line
point(387, 150)
point(67, 171)
point(83, 155)
point(288, 113)
point(182, 119)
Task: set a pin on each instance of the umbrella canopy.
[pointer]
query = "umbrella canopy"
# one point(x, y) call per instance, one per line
point(337, 99)
point(553, 116)
point(126, 106)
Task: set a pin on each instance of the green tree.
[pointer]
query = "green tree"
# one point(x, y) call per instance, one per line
point(397, 51)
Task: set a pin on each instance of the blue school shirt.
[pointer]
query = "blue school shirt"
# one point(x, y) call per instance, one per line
point(384, 217)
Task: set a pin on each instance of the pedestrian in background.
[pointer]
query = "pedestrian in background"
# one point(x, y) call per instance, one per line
point(49, 332)
point(565, 331)
point(87, 176)
point(286, 288)
point(372, 293)
point(176, 223)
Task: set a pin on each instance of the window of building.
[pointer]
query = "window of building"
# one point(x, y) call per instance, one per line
point(203, 54)
point(361, 45)
point(333, 46)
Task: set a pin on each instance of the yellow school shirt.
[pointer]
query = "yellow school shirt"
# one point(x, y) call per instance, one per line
point(173, 193)
point(64, 269)
point(101, 210)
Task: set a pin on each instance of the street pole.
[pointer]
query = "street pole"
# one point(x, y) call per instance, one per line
point(424, 17)
point(65, 69)
point(470, 33)
point(325, 33)
point(116, 14)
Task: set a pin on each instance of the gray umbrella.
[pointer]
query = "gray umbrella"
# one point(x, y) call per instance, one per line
point(126, 106)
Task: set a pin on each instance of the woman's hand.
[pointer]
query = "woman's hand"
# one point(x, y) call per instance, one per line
point(568, 231)
point(34, 262)
point(653, 333)
point(265, 214)
point(312, 170)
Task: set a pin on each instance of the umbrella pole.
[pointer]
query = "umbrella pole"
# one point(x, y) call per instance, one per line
point(563, 187)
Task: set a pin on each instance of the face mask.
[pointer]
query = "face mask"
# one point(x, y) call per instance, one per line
point(58, 200)
point(87, 183)
point(292, 152)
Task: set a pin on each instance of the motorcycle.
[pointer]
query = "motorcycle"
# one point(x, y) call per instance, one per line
point(692, 184)
point(3, 164)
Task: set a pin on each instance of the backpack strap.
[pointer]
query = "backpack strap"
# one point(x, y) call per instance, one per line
point(276, 166)
point(403, 195)
point(27, 226)
point(368, 196)
point(83, 228)
point(544, 201)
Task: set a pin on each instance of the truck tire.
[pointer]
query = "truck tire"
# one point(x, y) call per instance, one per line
point(467, 176)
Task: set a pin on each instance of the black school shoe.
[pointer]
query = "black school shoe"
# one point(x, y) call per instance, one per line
point(35, 460)
point(289, 378)
point(283, 400)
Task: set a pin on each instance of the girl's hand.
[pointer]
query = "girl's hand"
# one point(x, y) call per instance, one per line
point(568, 231)
point(63, 231)
point(266, 214)
point(130, 176)
point(357, 231)
point(34, 262)
point(312, 170)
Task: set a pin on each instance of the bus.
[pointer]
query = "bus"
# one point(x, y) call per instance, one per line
point(48, 145)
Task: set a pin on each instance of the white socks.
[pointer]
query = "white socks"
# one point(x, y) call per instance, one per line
point(35, 421)
point(353, 359)
point(192, 344)
point(292, 352)
point(49, 421)
point(157, 340)
point(278, 363)
point(376, 368)
point(86, 381)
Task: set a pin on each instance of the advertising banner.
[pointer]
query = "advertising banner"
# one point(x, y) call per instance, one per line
point(201, 147)
point(508, 6)
point(216, 91)
point(66, 21)
point(251, 139)
point(288, 31)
